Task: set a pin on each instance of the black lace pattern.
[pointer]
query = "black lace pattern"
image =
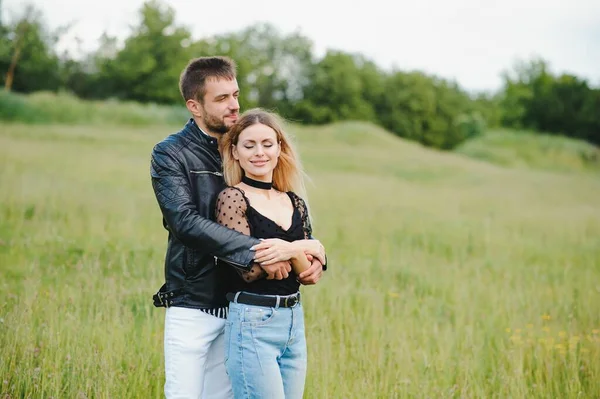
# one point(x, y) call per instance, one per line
point(233, 210)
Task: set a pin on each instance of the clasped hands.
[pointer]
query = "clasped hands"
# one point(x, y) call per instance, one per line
point(275, 255)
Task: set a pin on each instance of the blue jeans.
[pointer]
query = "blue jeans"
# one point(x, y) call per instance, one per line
point(265, 351)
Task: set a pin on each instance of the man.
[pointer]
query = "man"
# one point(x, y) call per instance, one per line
point(186, 178)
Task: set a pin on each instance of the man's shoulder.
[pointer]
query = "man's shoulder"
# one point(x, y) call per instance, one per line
point(173, 143)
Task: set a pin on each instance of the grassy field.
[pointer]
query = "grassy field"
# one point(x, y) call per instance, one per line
point(523, 149)
point(450, 277)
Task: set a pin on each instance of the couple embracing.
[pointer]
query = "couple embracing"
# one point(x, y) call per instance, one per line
point(230, 189)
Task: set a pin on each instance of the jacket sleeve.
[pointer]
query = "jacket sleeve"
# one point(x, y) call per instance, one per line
point(174, 195)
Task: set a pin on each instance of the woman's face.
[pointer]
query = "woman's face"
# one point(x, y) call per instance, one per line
point(258, 151)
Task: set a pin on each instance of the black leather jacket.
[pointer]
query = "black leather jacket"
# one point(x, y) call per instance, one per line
point(186, 173)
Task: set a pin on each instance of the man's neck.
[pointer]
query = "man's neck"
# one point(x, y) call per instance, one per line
point(205, 130)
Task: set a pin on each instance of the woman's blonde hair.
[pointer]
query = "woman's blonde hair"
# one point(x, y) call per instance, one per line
point(288, 175)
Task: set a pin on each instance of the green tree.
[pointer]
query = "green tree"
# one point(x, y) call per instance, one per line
point(429, 110)
point(336, 90)
point(489, 107)
point(27, 54)
point(273, 68)
point(534, 98)
point(518, 92)
point(590, 117)
point(147, 68)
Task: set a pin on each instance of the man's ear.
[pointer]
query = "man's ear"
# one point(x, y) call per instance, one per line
point(194, 107)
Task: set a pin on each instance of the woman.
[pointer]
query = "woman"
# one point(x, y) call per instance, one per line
point(265, 343)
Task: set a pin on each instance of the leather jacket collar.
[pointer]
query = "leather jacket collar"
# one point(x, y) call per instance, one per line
point(194, 130)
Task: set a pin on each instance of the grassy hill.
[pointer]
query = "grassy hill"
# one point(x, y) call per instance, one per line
point(45, 107)
point(523, 149)
point(450, 276)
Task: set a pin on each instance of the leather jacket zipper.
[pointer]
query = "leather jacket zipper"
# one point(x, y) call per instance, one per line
point(235, 264)
point(206, 172)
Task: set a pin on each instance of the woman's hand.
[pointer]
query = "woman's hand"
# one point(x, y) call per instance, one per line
point(313, 248)
point(273, 250)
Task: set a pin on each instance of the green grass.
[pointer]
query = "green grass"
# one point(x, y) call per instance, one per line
point(524, 149)
point(64, 108)
point(450, 277)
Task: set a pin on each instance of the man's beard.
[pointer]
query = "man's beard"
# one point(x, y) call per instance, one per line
point(215, 125)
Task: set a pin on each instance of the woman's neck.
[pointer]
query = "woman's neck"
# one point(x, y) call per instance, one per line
point(258, 184)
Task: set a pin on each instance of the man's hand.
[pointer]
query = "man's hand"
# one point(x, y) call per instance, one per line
point(313, 274)
point(277, 271)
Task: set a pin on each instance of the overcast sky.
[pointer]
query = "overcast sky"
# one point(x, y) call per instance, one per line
point(471, 41)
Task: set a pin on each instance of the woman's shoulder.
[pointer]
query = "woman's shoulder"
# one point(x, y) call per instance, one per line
point(296, 199)
point(293, 194)
point(231, 192)
point(231, 189)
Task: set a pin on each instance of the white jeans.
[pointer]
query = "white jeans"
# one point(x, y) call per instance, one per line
point(195, 355)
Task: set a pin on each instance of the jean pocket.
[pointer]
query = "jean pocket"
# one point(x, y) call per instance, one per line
point(257, 315)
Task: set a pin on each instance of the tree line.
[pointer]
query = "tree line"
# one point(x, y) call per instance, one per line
point(280, 72)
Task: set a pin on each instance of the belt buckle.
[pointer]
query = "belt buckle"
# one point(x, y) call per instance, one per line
point(158, 300)
point(293, 300)
point(163, 298)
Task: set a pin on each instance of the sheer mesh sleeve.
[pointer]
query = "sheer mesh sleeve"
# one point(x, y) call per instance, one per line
point(301, 205)
point(306, 225)
point(231, 212)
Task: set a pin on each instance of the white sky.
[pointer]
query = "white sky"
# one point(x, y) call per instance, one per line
point(471, 41)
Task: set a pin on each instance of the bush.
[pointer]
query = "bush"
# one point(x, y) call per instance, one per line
point(469, 126)
point(16, 108)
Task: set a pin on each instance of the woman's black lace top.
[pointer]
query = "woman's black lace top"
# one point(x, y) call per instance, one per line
point(233, 210)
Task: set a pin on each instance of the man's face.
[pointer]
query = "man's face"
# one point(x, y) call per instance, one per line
point(220, 108)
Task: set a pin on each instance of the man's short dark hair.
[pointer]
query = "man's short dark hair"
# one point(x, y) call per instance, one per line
point(193, 78)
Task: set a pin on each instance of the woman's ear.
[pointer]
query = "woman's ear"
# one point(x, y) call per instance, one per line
point(234, 152)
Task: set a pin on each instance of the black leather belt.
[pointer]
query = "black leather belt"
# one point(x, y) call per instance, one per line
point(271, 301)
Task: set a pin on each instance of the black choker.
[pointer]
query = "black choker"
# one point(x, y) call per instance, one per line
point(258, 184)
